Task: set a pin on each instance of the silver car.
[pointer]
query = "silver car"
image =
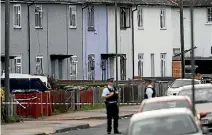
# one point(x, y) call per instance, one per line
point(176, 121)
point(178, 83)
point(203, 102)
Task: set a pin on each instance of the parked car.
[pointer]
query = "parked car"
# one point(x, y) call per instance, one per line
point(203, 102)
point(167, 102)
point(173, 88)
point(175, 121)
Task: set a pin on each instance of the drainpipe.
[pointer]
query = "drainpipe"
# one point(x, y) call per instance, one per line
point(67, 29)
point(29, 46)
point(83, 38)
point(133, 43)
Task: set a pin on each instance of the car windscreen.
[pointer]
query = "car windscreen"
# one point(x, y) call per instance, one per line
point(166, 105)
point(181, 83)
point(167, 125)
point(202, 95)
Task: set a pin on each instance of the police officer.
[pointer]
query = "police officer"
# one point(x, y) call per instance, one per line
point(149, 91)
point(110, 95)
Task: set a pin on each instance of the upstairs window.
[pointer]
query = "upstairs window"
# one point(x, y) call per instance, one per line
point(38, 16)
point(140, 17)
point(209, 15)
point(124, 17)
point(17, 16)
point(162, 19)
point(91, 18)
point(72, 16)
point(176, 51)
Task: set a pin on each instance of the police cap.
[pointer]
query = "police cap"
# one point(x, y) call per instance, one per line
point(110, 80)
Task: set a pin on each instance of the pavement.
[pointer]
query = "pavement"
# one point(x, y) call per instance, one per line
point(64, 122)
point(98, 130)
point(125, 111)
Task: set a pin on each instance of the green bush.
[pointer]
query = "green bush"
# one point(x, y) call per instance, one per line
point(12, 119)
point(53, 82)
point(62, 86)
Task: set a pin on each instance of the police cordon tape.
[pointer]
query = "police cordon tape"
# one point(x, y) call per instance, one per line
point(29, 103)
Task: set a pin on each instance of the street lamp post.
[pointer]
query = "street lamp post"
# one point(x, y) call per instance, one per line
point(192, 52)
point(7, 53)
point(182, 40)
point(116, 43)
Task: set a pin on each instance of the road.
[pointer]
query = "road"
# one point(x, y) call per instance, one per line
point(98, 130)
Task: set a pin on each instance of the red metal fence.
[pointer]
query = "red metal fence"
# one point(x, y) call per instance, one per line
point(44, 103)
point(54, 100)
point(34, 104)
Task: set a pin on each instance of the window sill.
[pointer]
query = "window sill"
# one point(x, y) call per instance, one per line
point(39, 27)
point(163, 29)
point(208, 23)
point(72, 27)
point(17, 27)
point(91, 29)
point(140, 28)
point(124, 28)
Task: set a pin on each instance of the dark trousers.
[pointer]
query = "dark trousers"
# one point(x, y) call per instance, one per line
point(112, 113)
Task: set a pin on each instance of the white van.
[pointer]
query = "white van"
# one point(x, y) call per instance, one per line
point(44, 79)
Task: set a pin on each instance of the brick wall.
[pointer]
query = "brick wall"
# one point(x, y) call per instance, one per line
point(176, 68)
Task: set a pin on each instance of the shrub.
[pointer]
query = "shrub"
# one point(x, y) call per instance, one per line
point(53, 82)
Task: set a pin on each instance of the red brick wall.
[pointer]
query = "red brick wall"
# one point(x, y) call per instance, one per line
point(176, 68)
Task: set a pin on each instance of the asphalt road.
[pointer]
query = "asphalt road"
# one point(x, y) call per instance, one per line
point(98, 130)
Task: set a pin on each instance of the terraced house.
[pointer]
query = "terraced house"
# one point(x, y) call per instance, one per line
point(76, 39)
point(202, 35)
point(148, 37)
point(46, 38)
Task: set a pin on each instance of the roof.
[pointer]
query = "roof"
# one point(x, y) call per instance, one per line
point(165, 98)
point(132, 2)
point(196, 3)
point(160, 113)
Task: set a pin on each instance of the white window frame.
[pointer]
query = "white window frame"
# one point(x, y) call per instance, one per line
point(209, 14)
point(18, 25)
point(39, 14)
point(152, 57)
point(141, 60)
point(72, 21)
point(162, 18)
point(176, 51)
point(163, 64)
point(18, 64)
point(37, 64)
point(140, 17)
point(124, 17)
point(91, 62)
point(73, 65)
point(91, 18)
